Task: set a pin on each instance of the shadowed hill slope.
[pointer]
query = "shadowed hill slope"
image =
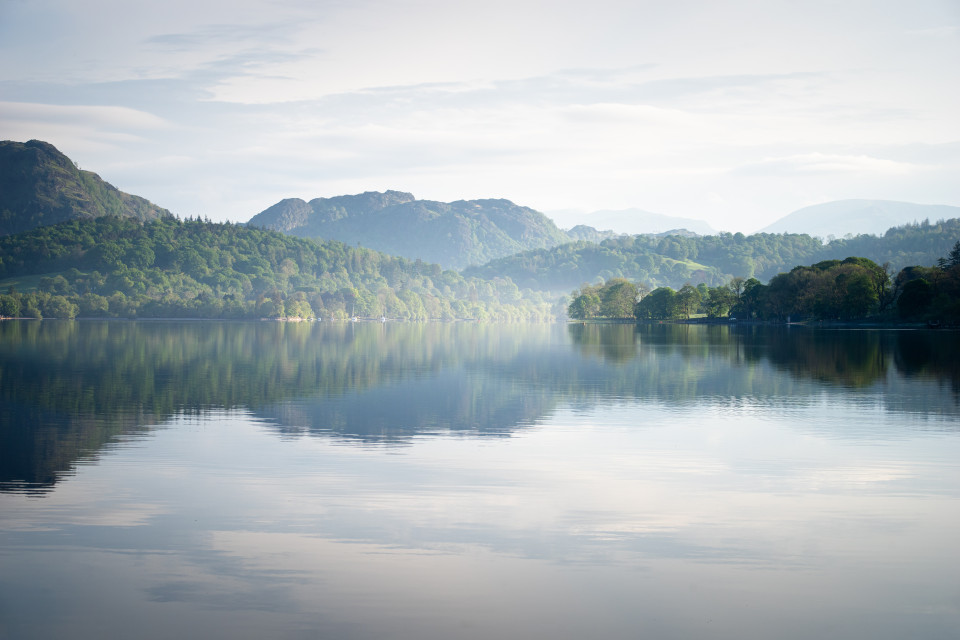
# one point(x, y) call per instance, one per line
point(40, 186)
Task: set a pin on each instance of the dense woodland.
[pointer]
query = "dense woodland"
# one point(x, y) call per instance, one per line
point(850, 289)
point(119, 267)
point(712, 260)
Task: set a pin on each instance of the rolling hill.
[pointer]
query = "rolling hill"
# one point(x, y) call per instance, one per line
point(675, 260)
point(40, 186)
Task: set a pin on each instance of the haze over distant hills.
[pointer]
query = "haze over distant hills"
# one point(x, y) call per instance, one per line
point(630, 221)
point(675, 260)
point(40, 186)
point(455, 234)
point(842, 217)
point(507, 244)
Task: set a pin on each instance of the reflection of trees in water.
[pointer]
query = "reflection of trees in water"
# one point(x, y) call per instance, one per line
point(849, 358)
point(69, 388)
point(612, 342)
point(862, 358)
point(902, 371)
point(38, 446)
point(931, 355)
point(670, 363)
point(852, 358)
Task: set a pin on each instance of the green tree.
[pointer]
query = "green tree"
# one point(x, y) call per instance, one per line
point(93, 305)
point(59, 307)
point(661, 304)
point(619, 298)
point(9, 306)
point(585, 303)
point(857, 293)
point(688, 300)
point(953, 259)
point(719, 301)
point(916, 298)
point(752, 300)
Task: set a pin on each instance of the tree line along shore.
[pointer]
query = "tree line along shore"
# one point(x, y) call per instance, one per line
point(855, 289)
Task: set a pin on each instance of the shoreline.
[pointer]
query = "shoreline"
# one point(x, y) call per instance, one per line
point(809, 324)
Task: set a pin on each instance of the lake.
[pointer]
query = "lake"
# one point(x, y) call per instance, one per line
point(454, 481)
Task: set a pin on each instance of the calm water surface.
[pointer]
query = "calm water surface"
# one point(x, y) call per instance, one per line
point(260, 480)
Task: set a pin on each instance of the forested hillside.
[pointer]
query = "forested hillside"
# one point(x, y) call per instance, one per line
point(455, 234)
point(113, 266)
point(852, 289)
point(677, 260)
point(41, 186)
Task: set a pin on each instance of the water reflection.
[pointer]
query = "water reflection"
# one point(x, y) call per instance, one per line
point(69, 389)
point(472, 482)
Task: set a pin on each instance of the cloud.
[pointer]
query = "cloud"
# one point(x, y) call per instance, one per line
point(822, 163)
point(217, 35)
point(668, 107)
point(81, 115)
point(607, 113)
point(81, 129)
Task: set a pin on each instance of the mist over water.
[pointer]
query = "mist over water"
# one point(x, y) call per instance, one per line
point(252, 480)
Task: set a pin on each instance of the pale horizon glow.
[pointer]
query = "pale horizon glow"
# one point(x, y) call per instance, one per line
point(734, 113)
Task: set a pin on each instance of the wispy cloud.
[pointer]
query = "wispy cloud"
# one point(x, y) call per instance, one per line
point(822, 163)
point(687, 108)
point(83, 115)
point(216, 35)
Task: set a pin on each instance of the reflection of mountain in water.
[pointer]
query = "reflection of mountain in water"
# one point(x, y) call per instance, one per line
point(69, 389)
point(450, 401)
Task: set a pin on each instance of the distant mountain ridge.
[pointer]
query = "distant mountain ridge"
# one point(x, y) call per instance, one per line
point(674, 260)
point(842, 217)
point(40, 186)
point(455, 234)
point(631, 222)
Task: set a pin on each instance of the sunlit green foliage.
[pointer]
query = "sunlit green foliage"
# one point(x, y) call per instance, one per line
point(851, 289)
point(676, 260)
point(118, 267)
point(614, 299)
point(661, 304)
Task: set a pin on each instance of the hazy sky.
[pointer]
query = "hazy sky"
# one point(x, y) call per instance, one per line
point(736, 112)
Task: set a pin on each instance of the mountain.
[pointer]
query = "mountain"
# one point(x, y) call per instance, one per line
point(455, 234)
point(842, 217)
point(40, 186)
point(630, 221)
point(296, 217)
